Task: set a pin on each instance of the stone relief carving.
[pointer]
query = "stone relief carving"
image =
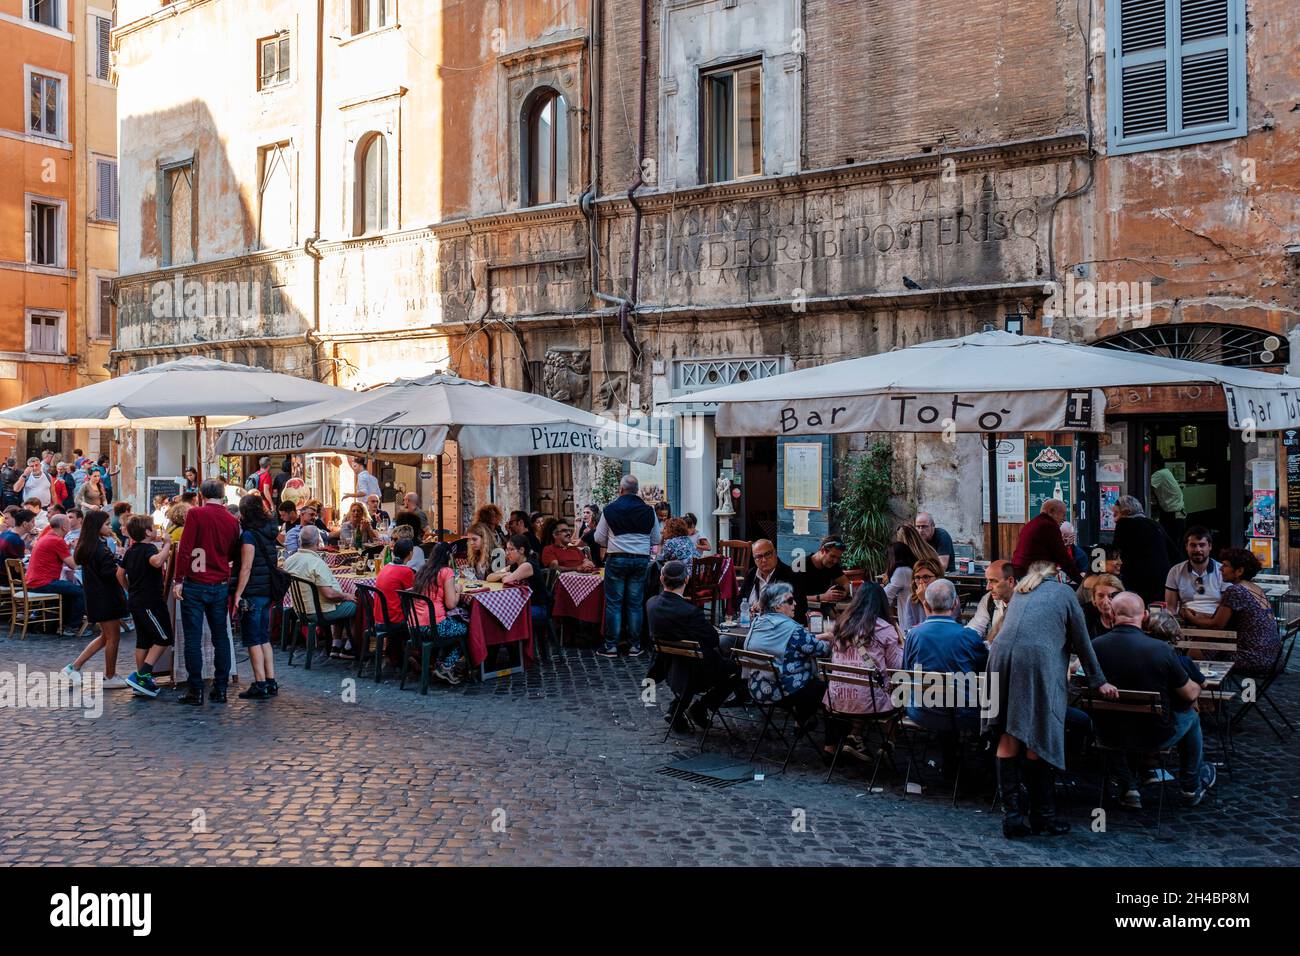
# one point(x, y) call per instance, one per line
point(566, 375)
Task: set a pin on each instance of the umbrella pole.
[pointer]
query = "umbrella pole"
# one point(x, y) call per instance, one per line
point(198, 446)
point(993, 495)
point(441, 523)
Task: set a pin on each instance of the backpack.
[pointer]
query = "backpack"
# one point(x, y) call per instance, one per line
point(250, 483)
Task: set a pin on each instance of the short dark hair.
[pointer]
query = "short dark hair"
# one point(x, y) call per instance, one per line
point(1199, 533)
point(286, 506)
point(213, 489)
point(673, 574)
point(1244, 560)
point(121, 507)
point(402, 548)
point(520, 543)
point(137, 526)
point(22, 516)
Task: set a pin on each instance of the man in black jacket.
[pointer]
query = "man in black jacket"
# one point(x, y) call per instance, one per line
point(769, 569)
point(673, 618)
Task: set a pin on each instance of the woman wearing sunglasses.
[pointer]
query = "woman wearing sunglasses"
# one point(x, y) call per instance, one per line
point(776, 632)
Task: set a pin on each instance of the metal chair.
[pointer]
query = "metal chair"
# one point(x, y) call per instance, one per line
point(691, 651)
point(1136, 704)
point(33, 606)
point(865, 676)
point(957, 695)
point(1261, 686)
point(766, 663)
point(426, 634)
point(381, 629)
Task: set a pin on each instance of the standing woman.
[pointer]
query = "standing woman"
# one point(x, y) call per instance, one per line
point(190, 480)
point(587, 533)
point(1027, 669)
point(106, 475)
point(92, 493)
point(105, 586)
point(257, 540)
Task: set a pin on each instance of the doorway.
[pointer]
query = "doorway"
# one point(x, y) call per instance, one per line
point(1207, 459)
point(550, 480)
point(751, 463)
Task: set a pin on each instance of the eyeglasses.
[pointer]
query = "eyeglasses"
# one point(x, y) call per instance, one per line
point(789, 600)
point(765, 554)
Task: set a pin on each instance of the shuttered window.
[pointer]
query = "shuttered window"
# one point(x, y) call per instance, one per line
point(104, 313)
point(103, 28)
point(106, 190)
point(1176, 72)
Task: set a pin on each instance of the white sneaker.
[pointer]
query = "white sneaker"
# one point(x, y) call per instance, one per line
point(116, 682)
point(72, 674)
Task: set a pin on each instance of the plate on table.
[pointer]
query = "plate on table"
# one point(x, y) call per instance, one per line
point(471, 588)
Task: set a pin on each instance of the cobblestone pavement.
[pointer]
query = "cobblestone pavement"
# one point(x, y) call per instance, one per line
point(563, 762)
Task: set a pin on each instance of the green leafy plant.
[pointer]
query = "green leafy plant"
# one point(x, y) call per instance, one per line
point(863, 511)
point(608, 474)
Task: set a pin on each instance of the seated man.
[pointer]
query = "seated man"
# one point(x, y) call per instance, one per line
point(822, 580)
point(13, 541)
point(396, 575)
point(563, 554)
point(769, 569)
point(1133, 660)
point(306, 518)
point(307, 563)
point(288, 512)
point(1000, 581)
point(673, 618)
point(50, 555)
point(379, 518)
point(941, 643)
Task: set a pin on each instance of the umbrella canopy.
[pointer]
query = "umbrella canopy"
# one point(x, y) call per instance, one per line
point(170, 395)
point(411, 418)
point(986, 382)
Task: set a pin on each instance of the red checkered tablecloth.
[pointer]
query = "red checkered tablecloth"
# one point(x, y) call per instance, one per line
point(505, 604)
point(579, 586)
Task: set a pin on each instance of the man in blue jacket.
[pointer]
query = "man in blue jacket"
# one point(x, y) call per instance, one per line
point(627, 530)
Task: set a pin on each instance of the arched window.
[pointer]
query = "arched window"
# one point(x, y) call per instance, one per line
point(371, 186)
point(547, 137)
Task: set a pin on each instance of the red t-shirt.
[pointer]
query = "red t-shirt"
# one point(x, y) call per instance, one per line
point(393, 578)
point(265, 487)
point(46, 565)
point(569, 557)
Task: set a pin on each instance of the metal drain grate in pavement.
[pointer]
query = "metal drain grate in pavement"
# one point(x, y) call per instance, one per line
point(711, 770)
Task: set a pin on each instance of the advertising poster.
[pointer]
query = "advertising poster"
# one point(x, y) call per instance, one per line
point(1109, 495)
point(1263, 522)
point(1011, 482)
point(1262, 548)
point(1051, 474)
point(1291, 440)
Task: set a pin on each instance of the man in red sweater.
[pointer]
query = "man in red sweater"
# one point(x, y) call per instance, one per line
point(209, 546)
point(1040, 540)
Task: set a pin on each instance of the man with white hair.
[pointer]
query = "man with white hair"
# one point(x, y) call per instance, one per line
point(941, 643)
point(1070, 537)
point(307, 563)
point(628, 529)
point(1040, 540)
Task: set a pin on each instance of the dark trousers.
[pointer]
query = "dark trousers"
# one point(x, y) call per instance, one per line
point(804, 702)
point(73, 603)
point(713, 697)
point(206, 602)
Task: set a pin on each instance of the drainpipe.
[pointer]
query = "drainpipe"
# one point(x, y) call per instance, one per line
point(628, 308)
point(310, 245)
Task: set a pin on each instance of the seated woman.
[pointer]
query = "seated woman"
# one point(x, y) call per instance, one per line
point(472, 554)
point(356, 531)
point(524, 567)
point(1244, 608)
point(865, 636)
point(897, 579)
point(436, 580)
point(1094, 596)
point(776, 632)
point(677, 544)
point(911, 611)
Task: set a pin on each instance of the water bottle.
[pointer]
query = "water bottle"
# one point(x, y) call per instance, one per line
point(744, 614)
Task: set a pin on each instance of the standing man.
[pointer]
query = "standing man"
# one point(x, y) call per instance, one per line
point(50, 555)
point(8, 475)
point(936, 538)
point(1040, 540)
point(1194, 584)
point(34, 483)
point(367, 484)
point(1168, 495)
point(209, 546)
point(627, 530)
point(264, 484)
point(1000, 580)
point(282, 478)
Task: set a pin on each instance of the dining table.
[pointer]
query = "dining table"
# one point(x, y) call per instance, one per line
point(498, 614)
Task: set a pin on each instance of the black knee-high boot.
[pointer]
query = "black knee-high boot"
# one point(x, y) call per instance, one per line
point(1041, 779)
point(1014, 823)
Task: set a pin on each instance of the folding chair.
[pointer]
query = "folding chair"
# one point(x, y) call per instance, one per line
point(309, 617)
point(865, 676)
point(690, 650)
point(766, 663)
point(916, 684)
point(426, 634)
point(1139, 705)
point(378, 628)
point(704, 585)
point(1262, 684)
point(33, 606)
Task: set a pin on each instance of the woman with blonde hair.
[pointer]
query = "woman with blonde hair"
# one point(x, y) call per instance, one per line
point(921, 548)
point(356, 530)
point(1027, 670)
point(1094, 597)
point(490, 515)
point(480, 541)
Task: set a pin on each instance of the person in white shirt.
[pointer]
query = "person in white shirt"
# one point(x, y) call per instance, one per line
point(1194, 584)
point(367, 484)
point(160, 512)
point(34, 483)
point(1000, 580)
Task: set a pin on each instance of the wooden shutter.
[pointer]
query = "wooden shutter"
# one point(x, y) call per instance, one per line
point(106, 205)
point(104, 320)
point(1204, 69)
point(103, 28)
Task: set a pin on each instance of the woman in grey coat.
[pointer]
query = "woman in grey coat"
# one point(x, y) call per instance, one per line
point(1027, 669)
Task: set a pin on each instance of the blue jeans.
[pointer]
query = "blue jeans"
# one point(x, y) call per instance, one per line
point(74, 603)
point(208, 601)
point(255, 623)
point(624, 597)
point(1186, 735)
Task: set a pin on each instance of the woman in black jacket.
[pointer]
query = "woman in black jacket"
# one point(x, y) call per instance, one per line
point(1145, 549)
point(257, 556)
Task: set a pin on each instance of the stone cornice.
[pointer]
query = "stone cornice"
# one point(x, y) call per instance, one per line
point(463, 226)
point(210, 267)
point(175, 8)
point(568, 43)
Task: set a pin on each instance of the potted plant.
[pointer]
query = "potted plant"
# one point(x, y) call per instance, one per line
point(863, 509)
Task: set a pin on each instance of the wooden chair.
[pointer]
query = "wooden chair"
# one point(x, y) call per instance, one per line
point(742, 559)
point(690, 650)
point(1139, 705)
point(865, 676)
point(914, 684)
point(704, 585)
point(33, 606)
point(1206, 639)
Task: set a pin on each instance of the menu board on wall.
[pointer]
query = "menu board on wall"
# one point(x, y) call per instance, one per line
point(1051, 475)
point(1291, 440)
point(1011, 482)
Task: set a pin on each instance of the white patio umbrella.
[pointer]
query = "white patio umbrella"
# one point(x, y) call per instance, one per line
point(172, 395)
point(988, 382)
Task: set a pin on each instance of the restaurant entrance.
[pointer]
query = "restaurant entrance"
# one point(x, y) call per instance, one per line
point(751, 465)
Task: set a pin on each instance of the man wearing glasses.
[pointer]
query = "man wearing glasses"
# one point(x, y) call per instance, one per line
point(1195, 584)
point(769, 569)
point(937, 538)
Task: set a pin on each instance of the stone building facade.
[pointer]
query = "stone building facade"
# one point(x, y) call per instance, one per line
point(616, 201)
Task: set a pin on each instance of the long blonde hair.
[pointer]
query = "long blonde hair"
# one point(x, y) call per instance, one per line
point(481, 557)
point(919, 547)
point(1039, 572)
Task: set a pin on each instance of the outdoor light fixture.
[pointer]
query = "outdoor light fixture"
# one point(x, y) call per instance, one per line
point(1014, 323)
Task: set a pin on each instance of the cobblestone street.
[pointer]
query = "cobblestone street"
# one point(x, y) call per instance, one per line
point(564, 762)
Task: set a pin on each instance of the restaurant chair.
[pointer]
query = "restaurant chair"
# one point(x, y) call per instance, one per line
point(881, 721)
point(307, 614)
point(1137, 706)
point(913, 682)
point(689, 651)
point(741, 554)
point(374, 627)
point(430, 643)
point(1263, 684)
point(33, 607)
point(704, 585)
point(766, 663)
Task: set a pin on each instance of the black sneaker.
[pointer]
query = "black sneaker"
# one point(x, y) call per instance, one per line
point(1209, 777)
point(607, 652)
point(272, 687)
point(256, 691)
point(192, 697)
point(217, 696)
point(635, 651)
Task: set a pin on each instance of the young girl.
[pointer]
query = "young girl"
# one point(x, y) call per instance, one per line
point(145, 563)
point(437, 581)
point(105, 586)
